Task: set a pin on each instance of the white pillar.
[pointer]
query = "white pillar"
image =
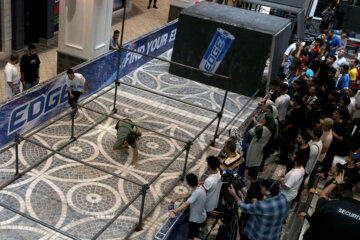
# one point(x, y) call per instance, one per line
point(84, 28)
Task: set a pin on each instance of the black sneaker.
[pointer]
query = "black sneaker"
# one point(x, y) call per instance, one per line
point(155, 7)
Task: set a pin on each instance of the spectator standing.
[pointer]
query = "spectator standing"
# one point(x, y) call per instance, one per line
point(261, 134)
point(77, 85)
point(12, 76)
point(253, 194)
point(340, 60)
point(196, 200)
point(289, 55)
point(212, 184)
point(328, 16)
point(293, 124)
point(282, 102)
point(334, 42)
point(343, 39)
point(29, 68)
point(232, 159)
point(336, 219)
point(353, 72)
point(291, 182)
point(323, 71)
point(154, 6)
point(339, 144)
point(114, 41)
point(344, 81)
point(316, 146)
point(266, 216)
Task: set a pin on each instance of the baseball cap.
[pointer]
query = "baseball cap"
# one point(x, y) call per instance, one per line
point(328, 122)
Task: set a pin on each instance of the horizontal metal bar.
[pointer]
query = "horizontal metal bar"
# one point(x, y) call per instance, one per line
point(46, 157)
point(176, 63)
point(135, 124)
point(206, 127)
point(241, 109)
point(99, 95)
point(38, 221)
point(7, 148)
point(172, 98)
point(80, 161)
point(166, 166)
point(116, 216)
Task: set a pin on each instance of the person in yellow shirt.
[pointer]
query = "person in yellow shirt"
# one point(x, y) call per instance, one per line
point(353, 71)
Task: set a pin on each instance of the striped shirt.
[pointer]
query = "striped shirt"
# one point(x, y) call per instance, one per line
point(266, 217)
point(231, 162)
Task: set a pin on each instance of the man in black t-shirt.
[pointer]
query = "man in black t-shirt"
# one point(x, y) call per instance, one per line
point(253, 193)
point(322, 73)
point(29, 68)
point(336, 219)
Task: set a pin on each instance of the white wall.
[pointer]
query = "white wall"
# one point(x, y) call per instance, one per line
point(84, 27)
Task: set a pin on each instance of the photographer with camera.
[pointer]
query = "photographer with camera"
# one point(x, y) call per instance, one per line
point(196, 200)
point(266, 216)
point(126, 136)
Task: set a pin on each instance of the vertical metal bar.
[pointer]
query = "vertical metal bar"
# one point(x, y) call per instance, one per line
point(17, 141)
point(187, 147)
point(73, 113)
point(117, 81)
point(220, 116)
point(143, 193)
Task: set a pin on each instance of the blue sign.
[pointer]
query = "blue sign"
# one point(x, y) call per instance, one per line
point(28, 111)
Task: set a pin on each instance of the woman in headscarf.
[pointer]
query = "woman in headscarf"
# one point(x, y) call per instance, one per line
point(261, 134)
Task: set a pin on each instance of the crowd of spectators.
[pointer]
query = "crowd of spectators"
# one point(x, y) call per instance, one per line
point(310, 123)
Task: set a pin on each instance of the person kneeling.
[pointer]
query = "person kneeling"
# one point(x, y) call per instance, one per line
point(126, 136)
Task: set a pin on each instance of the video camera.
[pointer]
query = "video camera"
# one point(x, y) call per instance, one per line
point(230, 176)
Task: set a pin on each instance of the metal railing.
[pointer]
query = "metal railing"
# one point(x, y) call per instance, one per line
point(73, 138)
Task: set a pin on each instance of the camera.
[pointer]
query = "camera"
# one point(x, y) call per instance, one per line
point(230, 176)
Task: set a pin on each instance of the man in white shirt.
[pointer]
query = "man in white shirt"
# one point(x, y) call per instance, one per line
point(340, 60)
point(212, 184)
point(12, 76)
point(315, 145)
point(288, 57)
point(77, 85)
point(291, 182)
point(282, 102)
point(196, 200)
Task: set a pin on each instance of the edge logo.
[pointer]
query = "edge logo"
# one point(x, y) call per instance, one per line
point(33, 109)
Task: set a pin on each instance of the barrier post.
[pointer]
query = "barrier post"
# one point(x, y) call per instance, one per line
point(219, 116)
point(117, 81)
point(72, 115)
point(187, 148)
point(17, 142)
point(143, 190)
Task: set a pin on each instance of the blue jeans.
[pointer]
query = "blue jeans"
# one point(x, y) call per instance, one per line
point(30, 85)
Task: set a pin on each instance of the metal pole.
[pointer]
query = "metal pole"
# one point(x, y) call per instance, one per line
point(117, 81)
point(38, 221)
point(80, 161)
point(187, 147)
point(135, 124)
point(72, 114)
point(17, 142)
point(143, 193)
point(220, 116)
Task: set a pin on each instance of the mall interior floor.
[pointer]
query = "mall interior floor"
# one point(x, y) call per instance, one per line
point(139, 21)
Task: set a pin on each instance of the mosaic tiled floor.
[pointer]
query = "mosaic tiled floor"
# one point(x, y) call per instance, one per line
point(81, 200)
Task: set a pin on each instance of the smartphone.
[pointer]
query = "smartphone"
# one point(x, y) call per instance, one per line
point(280, 173)
point(171, 207)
